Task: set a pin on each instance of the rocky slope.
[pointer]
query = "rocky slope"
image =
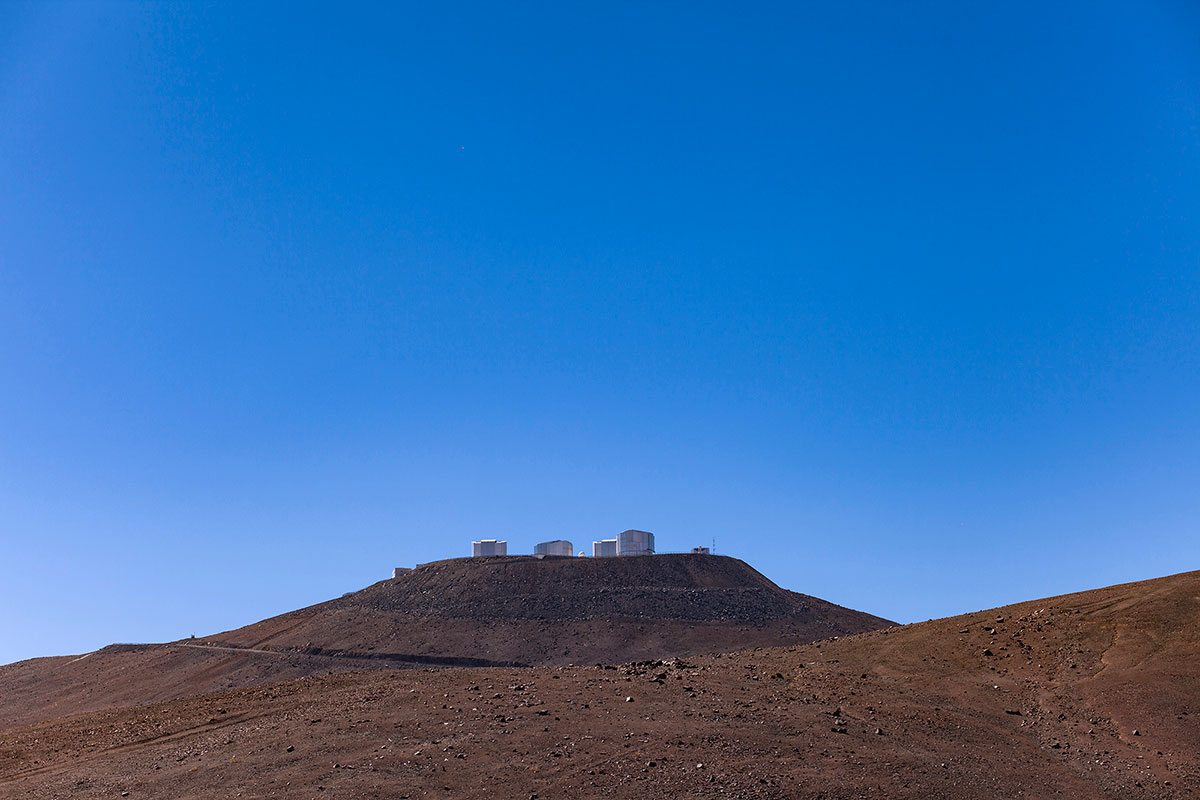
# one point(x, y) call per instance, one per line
point(514, 611)
point(1092, 695)
point(522, 610)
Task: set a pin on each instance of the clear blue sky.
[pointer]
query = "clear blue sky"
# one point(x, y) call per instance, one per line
point(898, 302)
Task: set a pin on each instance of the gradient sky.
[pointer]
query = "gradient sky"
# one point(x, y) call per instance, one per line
point(898, 302)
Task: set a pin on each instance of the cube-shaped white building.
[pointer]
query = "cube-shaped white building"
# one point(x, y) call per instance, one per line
point(605, 548)
point(489, 547)
point(556, 547)
point(635, 543)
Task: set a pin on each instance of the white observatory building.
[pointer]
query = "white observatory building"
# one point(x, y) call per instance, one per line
point(489, 547)
point(626, 543)
point(605, 548)
point(555, 547)
point(635, 543)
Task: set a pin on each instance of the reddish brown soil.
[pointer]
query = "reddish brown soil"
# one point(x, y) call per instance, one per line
point(514, 611)
point(1093, 695)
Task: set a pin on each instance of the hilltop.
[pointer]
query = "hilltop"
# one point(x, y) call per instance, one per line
point(529, 611)
point(497, 611)
point(1090, 695)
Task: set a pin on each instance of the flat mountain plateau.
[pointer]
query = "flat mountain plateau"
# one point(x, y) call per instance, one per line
point(1089, 695)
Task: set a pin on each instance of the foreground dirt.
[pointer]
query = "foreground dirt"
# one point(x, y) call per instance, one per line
point(1094, 695)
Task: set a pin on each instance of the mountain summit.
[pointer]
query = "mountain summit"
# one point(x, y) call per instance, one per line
point(469, 612)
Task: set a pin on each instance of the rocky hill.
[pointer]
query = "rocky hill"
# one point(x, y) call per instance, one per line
point(523, 610)
point(503, 611)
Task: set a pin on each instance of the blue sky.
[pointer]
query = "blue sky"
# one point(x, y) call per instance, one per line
point(898, 302)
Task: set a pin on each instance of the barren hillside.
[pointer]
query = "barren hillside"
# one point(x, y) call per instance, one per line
point(513, 611)
point(522, 610)
point(1091, 695)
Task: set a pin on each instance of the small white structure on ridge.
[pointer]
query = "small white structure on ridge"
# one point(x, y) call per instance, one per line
point(489, 547)
point(605, 548)
point(635, 543)
point(556, 547)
